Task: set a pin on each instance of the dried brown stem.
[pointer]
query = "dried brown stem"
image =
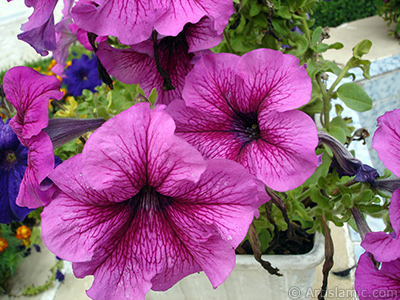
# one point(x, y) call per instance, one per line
point(255, 245)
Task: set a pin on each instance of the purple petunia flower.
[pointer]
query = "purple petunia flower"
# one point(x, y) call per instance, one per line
point(386, 142)
point(132, 22)
point(29, 92)
point(140, 209)
point(242, 108)
point(39, 31)
point(13, 162)
point(137, 65)
point(82, 74)
point(374, 283)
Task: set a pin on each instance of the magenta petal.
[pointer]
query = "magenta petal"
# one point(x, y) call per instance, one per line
point(273, 79)
point(209, 133)
point(130, 21)
point(371, 283)
point(147, 155)
point(29, 92)
point(226, 195)
point(202, 35)
point(133, 67)
point(284, 157)
point(386, 140)
point(385, 246)
point(212, 86)
point(40, 164)
point(76, 209)
point(176, 14)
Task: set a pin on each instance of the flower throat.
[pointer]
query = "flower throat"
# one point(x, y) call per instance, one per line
point(245, 125)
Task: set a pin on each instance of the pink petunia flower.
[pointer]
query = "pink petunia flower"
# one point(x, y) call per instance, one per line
point(374, 283)
point(137, 65)
point(140, 209)
point(386, 142)
point(30, 92)
point(242, 108)
point(132, 22)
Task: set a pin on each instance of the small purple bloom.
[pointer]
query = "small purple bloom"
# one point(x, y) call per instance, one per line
point(140, 209)
point(137, 65)
point(13, 162)
point(374, 283)
point(243, 109)
point(29, 92)
point(82, 74)
point(132, 22)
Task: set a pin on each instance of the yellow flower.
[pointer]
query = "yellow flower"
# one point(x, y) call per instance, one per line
point(23, 232)
point(70, 108)
point(51, 65)
point(3, 244)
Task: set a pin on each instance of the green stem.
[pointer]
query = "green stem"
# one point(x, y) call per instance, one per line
point(228, 42)
point(306, 30)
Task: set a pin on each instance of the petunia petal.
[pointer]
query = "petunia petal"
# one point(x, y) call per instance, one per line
point(40, 164)
point(29, 92)
point(210, 134)
point(373, 283)
point(130, 21)
point(273, 81)
point(385, 246)
point(39, 30)
point(386, 140)
point(113, 159)
point(284, 157)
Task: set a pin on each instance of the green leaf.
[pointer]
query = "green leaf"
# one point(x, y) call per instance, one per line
point(153, 96)
point(302, 44)
point(317, 197)
point(339, 122)
point(255, 9)
point(336, 46)
point(316, 36)
point(338, 133)
point(354, 97)
point(362, 48)
point(347, 201)
point(338, 109)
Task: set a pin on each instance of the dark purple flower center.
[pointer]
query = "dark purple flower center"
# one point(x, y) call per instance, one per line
point(245, 126)
point(148, 199)
point(8, 159)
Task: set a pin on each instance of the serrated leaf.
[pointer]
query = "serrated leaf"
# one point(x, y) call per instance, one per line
point(354, 97)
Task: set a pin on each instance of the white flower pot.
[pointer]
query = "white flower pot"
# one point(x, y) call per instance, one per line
point(249, 281)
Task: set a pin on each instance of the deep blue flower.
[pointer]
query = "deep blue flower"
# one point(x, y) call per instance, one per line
point(82, 74)
point(13, 162)
point(60, 276)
